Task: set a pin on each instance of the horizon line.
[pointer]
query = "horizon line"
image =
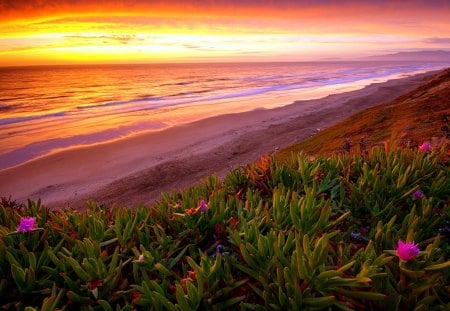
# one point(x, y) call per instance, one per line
point(217, 62)
point(371, 58)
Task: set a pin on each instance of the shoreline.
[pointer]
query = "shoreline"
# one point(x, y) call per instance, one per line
point(24, 142)
point(138, 168)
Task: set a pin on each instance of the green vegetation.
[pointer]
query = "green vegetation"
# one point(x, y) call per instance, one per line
point(307, 234)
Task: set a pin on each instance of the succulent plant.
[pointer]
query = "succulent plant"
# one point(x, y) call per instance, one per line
point(312, 234)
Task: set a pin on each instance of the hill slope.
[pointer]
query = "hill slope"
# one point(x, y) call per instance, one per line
point(412, 118)
point(429, 56)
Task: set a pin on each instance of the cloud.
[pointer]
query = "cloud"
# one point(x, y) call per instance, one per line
point(212, 27)
point(437, 40)
point(232, 8)
point(199, 47)
point(123, 39)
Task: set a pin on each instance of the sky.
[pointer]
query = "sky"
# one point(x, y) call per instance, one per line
point(39, 32)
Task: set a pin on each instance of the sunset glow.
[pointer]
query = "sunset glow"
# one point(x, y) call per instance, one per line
point(72, 32)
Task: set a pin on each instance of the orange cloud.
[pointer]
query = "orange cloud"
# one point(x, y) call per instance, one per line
point(144, 31)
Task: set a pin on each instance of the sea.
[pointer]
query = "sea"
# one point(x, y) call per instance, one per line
point(45, 109)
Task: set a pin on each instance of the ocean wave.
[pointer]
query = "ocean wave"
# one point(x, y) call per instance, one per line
point(188, 93)
point(118, 103)
point(8, 121)
point(182, 98)
point(5, 107)
point(56, 97)
point(199, 80)
point(194, 94)
point(175, 83)
point(274, 77)
point(146, 99)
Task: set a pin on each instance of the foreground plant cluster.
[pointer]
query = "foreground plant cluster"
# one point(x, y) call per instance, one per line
point(347, 232)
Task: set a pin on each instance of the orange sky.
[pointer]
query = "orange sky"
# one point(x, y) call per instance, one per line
point(37, 32)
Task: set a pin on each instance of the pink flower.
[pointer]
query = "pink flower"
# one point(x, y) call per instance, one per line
point(426, 146)
point(417, 195)
point(407, 250)
point(203, 206)
point(27, 224)
point(141, 258)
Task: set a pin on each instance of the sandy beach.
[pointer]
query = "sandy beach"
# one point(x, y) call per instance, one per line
point(138, 168)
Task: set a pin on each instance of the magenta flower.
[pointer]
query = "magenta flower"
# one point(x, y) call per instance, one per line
point(417, 195)
point(407, 250)
point(27, 224)
point(426, 146)
point(203, 206)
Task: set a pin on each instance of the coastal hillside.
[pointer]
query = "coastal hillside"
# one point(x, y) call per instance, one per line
point(412, 118)
point(344, 232)
point(428, 56)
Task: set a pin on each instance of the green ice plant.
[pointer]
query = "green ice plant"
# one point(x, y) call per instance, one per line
point(307, 234)
point(417, 277)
